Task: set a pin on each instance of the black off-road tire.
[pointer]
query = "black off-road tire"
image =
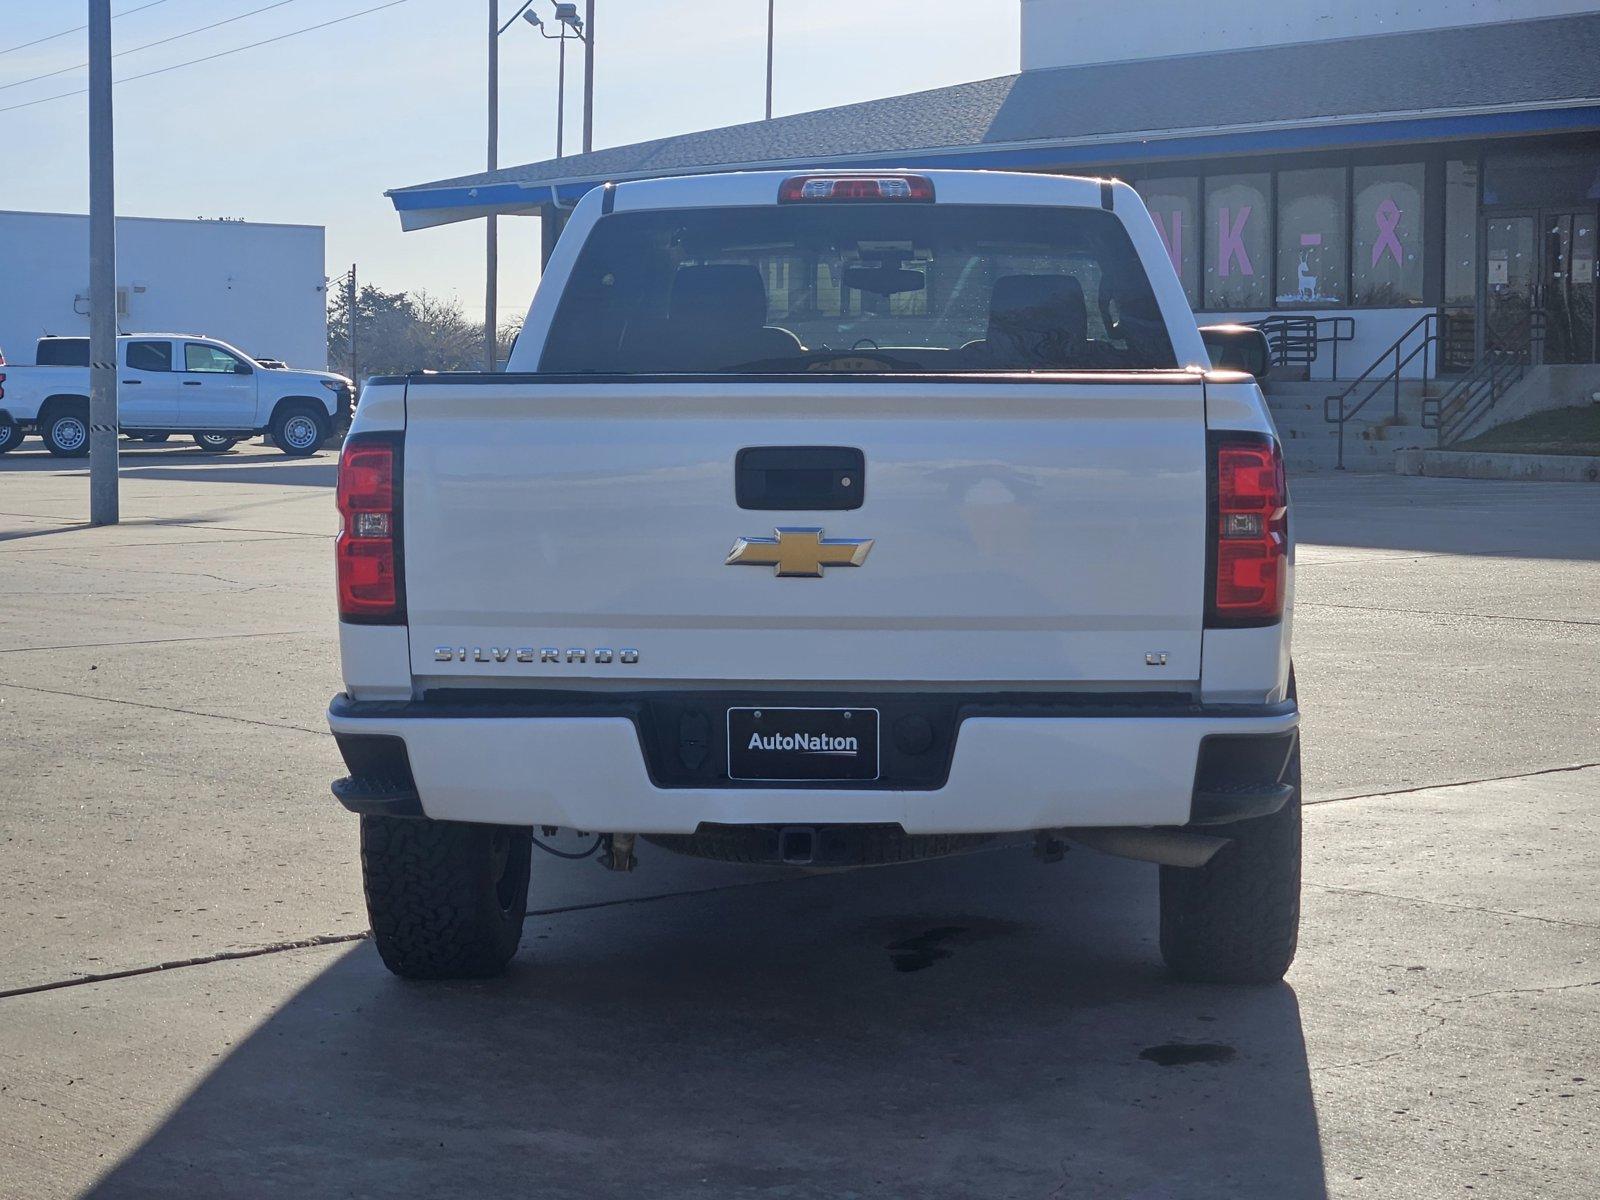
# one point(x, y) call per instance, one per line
point(10, 435)
point(1237, 919)
point(446, 899)
point(300, 429)
point(64, 426)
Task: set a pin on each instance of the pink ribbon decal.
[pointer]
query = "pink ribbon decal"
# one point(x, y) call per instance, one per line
point(1230, 242)
point(1174, 242)
point(1388, 218)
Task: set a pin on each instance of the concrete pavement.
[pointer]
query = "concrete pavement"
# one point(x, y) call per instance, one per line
point(163, 770)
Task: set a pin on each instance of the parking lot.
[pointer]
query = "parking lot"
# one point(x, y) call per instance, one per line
point(188, 1004)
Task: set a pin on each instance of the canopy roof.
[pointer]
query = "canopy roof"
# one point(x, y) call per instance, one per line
point(1535, 76)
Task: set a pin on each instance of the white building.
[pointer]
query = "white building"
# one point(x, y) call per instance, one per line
point(1067, 33)
point(259, 287)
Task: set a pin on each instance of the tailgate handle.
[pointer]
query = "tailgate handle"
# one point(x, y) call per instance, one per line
point(808, 478)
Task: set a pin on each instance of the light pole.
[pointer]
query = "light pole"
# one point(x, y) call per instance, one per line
point(567, 17)
point(770, 6)
point(571, 27)
point(102, 431)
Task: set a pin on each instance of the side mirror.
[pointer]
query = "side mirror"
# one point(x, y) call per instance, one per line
point(1238, 348)
point(242, 369)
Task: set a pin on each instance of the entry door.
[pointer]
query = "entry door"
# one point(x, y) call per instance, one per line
point(1511, 246)
point(1566, 288)
point(1542, 261)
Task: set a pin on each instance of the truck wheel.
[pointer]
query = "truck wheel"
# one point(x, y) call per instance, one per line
point(10, 436)
point(1237, 919)
point(299, 430)
point(215, 443)
point(66, 431)
point(446, 899)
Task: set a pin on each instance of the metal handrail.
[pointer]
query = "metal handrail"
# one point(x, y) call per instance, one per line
point(1392, 374)
point(1295, 339)
point(1486, 382)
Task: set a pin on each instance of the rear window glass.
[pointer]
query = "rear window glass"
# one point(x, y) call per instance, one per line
point(63, 352)
point(906, 288)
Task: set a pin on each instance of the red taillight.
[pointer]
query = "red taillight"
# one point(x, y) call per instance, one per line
point(822, 189)
point(368, 551)
point(1251, 533)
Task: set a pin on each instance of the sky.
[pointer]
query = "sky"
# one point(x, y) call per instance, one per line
point(314, 128)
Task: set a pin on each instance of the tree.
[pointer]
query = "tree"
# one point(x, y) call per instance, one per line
point(401, 332)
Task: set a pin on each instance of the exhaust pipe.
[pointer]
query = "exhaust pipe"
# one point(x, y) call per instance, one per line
point(1169, 847)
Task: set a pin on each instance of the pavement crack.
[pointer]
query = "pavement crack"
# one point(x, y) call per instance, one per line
point(331, 939)
point(212, 637)
point(1439, 1020)
point(1428, 612)
point(1493, 912)
point(1432, 787)
point(188, 712)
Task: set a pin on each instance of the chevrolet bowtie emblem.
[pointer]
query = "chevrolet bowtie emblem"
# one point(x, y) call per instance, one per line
point(801, 552)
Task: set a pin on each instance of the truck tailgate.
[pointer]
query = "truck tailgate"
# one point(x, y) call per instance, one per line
point(1022, 531)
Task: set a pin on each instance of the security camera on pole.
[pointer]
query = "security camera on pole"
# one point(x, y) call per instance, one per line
point(103, 506)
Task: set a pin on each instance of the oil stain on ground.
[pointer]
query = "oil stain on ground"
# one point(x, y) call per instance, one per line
point(1184, 1054)
point(921, 952)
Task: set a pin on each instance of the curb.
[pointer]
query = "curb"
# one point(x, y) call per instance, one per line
point(1467, 464)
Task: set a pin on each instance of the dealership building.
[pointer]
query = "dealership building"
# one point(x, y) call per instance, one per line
point(1376, 167)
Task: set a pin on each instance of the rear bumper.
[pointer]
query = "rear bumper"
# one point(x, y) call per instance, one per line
point(1006, 773)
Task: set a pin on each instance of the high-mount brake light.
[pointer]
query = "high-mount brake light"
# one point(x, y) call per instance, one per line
point(824, 189)
point(367, 554)
point(1249, 533)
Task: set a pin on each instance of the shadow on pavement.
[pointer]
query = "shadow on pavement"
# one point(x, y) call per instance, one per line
point(1502, 518)
point(190, 464)
point(982, 1027)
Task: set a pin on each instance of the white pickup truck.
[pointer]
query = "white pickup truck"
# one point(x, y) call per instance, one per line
point(828, 520)
point(169, 383)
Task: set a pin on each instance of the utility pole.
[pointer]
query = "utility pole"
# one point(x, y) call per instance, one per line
point(350, 318)
point(770, 5)
point(588, 78)
point(103, 503)
point(490, 299)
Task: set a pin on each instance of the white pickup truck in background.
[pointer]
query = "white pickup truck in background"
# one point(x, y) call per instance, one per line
point(829, 520)
point(170, 383)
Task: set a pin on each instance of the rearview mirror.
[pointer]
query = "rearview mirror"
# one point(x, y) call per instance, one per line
point(1238, 348)
point(884, 281)
point(241, 368)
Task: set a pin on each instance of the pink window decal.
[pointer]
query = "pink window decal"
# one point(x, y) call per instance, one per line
point(1388, 217)
point(1230, 242)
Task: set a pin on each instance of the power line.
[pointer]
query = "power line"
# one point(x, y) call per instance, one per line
point(211, 57)
point(75, 29)
point(148, 45)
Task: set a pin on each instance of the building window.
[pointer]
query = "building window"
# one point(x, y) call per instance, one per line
point(1174, 205)
point(1387, 249)
point(1238, 242)
point(1311, 237)
point(1460, 232)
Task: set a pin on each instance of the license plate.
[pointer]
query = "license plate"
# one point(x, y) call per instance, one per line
point(802, 745)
